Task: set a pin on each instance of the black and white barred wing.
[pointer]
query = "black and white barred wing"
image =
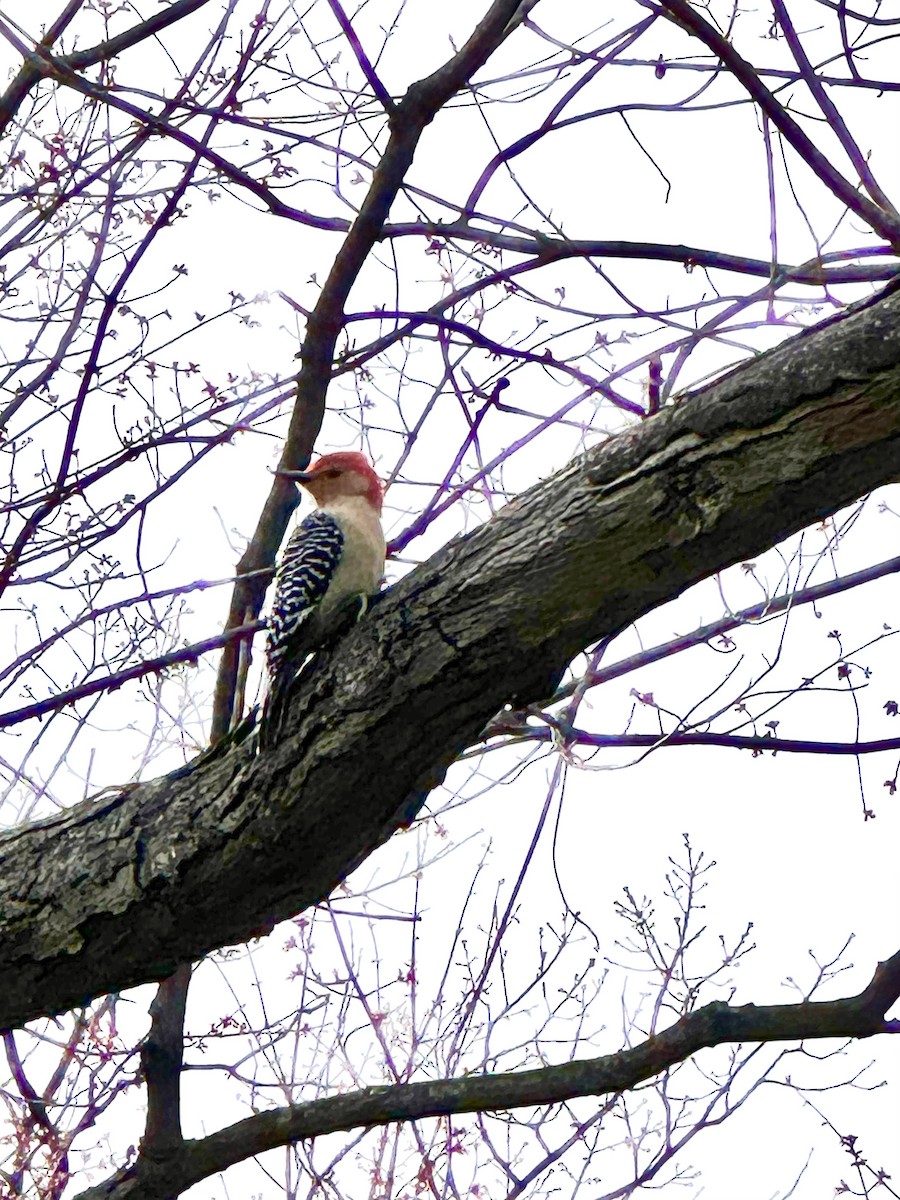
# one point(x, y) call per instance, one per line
point(302, 579)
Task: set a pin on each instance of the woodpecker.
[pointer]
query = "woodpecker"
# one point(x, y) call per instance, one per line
point(335, 553)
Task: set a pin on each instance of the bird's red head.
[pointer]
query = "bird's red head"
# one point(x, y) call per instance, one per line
point(344, 473)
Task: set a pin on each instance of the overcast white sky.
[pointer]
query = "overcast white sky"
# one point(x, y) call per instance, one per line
point(792, 851)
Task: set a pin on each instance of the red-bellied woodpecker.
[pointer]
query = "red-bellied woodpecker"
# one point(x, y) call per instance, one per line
point(335, 553)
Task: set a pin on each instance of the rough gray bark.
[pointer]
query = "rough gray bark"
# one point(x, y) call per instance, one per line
point(121, 890)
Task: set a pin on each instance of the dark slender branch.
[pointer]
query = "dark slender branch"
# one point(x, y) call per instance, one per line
point(94, 615)
point(36, 1104)
point(175, 11)
point(62, 22)
point(746, 616)
point(831, 112)
point(875, 85)
point(650, 741)
point(361, 57)
point(90, 367)
point(33, 69)
point(715, 1024)
point(56, 69)
point(884, 223)
point(839, 6)
point(110, 683)
point(408, 121)
point(550, 250)
point(474, 336)
point(544, 251)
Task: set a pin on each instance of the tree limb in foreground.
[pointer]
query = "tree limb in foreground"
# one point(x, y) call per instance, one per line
point(712, 1025)
point(219, 852)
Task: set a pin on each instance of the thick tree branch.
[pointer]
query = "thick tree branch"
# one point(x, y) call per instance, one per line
point(162, 1056)
point(218, 853)
point(855, 1016)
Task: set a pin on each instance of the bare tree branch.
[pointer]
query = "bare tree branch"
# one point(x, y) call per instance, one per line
point(724, 625)
point(862, 1015)
point(884, 220)
point(109, 683)
point(34, 67)
point(408, 120)
point(568, 737)
point(551, 249)
point(162, 1055)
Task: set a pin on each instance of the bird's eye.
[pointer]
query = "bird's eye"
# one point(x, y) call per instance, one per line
point(332, 473)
